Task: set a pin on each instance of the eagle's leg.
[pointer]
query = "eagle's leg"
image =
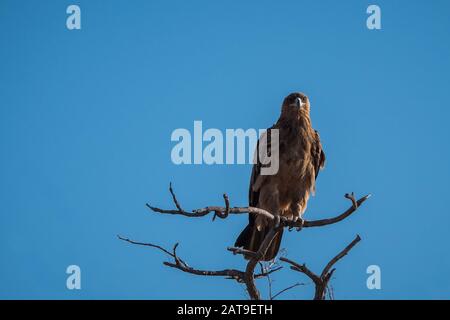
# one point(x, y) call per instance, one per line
point(297, 210)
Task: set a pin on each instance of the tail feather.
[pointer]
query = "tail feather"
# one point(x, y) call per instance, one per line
point(251, 239)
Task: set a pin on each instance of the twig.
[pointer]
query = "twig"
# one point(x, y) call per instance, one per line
point(269, 282)
point(267, 273)
point(181, 265)
point(241, 251)
point(286, 289)
point(146, 244)
point(353, 208)
point(339, 256)
point(225, 213)
point(173, 254)
point(177, 204)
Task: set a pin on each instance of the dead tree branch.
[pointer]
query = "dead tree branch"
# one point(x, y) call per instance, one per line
point(223, 212)
point(248, 275)
point(321, 282)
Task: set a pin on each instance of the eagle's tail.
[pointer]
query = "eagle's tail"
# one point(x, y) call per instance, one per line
point(251, 239)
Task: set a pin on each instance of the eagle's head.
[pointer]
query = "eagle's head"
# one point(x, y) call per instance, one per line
point(296, 104)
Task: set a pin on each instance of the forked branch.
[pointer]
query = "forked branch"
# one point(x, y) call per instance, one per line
point(247, 277)
point(321, 281)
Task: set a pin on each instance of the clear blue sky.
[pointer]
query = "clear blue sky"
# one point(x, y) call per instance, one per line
point(86, 118)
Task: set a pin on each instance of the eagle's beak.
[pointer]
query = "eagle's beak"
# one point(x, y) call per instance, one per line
point(299, 103)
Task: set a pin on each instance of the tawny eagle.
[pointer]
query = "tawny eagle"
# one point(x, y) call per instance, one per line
point(285, 193)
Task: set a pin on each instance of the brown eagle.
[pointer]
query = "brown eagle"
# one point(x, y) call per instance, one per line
point(285, 193)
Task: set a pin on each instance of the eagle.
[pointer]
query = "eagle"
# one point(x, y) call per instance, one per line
point(286, 192)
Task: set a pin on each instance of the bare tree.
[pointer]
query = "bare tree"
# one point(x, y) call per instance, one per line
point(249, 275)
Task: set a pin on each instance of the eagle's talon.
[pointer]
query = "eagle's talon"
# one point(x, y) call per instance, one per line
point(300, 227)
point(283, 221)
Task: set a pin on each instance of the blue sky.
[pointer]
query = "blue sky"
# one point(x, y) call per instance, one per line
point(86, 118)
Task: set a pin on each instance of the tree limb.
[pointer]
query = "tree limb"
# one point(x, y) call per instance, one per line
point(259, 255)
point(223, 212)
point(321, 282)
point(247, 277)
point(183, 266)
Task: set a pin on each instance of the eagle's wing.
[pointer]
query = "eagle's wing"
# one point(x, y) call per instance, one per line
point(253, 192)
point(255, 232)
point(318, 156)
point(256, 179)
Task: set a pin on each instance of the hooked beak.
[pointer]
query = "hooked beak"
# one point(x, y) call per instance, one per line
point(299, 103)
